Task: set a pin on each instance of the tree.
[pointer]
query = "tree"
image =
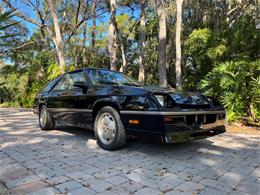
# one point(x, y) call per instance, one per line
point(112, 36)
point(125, 37)
point(178, 44)
point(84, 34)
point(61, 16)
point(162, 44)
point(141, 76)
point(57, 38)
point(94, 26)
point(122, 48)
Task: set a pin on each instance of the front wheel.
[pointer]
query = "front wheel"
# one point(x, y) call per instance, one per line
point(109, 130)
point(45, 120)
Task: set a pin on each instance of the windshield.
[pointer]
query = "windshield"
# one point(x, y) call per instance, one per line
point(107, 77)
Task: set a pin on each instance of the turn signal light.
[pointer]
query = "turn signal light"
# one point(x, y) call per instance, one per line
point(133, 122)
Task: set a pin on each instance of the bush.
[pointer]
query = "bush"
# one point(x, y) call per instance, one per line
point(203, 49)
point(236, 84)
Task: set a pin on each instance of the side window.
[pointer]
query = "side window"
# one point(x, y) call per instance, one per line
point(67, 81)
point(59, 84)
point(77, 76)
point(50, 85)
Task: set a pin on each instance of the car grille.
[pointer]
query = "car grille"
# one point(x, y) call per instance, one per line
point(198, 119)
point(201, 119)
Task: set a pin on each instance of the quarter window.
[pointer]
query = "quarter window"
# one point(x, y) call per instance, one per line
point(68, 80)
point(48, 87)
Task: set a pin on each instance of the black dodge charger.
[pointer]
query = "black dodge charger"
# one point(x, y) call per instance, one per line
point(117, 106)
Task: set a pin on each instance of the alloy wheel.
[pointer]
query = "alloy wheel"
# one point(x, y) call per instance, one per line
point(106, 128)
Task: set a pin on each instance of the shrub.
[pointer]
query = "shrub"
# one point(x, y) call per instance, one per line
point(236, 84)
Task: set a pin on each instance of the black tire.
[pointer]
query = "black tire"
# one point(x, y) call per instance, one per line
point(49, 124)
point(119, 139)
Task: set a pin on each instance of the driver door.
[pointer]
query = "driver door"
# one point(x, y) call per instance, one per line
point(69, 103)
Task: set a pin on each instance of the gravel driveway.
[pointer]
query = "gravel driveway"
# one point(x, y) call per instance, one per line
point(68, 161)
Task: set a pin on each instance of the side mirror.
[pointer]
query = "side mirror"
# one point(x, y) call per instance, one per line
point(82, 85)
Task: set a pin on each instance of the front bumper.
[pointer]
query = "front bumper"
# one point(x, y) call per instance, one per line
point(174, 127)
point(204, 131)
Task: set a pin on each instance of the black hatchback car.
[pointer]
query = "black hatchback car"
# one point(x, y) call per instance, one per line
point(116, 105)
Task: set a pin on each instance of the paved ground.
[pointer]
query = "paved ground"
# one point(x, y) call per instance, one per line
point(68, 161)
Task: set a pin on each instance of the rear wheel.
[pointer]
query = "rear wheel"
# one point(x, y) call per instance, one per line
point(45, 120)
point(109, 130)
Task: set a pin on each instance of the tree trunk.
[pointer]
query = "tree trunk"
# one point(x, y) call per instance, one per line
point(58, 41)
point(112, 45)
point(93, 30)
point(141, 77)
point(84, 39)
point(162, 44)
point(76, 55)
point(84, 57)
point(178, 44)
point(229, 6)
point(123, 66)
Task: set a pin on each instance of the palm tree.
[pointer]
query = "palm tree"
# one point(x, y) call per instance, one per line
point(5, 24)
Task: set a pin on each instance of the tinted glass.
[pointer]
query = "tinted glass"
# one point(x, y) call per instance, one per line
point(50, 85)
point(107, 77)
point(68, 80)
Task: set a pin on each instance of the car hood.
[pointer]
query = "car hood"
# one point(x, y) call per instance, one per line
point(180, 97)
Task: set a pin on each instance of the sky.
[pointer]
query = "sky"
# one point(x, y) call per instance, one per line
point(28, 11)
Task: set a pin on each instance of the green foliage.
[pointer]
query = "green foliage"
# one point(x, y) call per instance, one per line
point(53, 71)
point(21, 81)
point(198, 42)
point(125, 26)
point(204, 50)
point(151, 69)
point(237, 85)
point(243, 38)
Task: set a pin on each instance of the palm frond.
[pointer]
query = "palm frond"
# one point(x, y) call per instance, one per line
point(5, 24)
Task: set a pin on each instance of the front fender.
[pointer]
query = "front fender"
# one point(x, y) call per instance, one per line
point(108, 101)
